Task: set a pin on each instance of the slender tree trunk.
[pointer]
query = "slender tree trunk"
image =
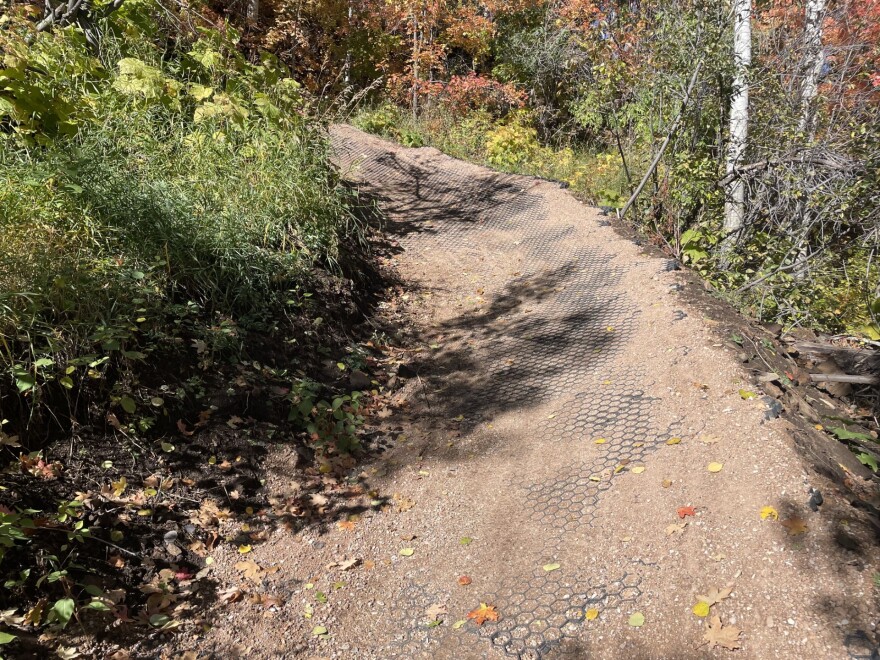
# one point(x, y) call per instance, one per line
point(813, 63)
point(415, 56)
point(811, 69)
point(253, 10)
point(734, 206)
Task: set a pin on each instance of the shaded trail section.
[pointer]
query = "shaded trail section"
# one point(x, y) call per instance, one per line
point(560, 418)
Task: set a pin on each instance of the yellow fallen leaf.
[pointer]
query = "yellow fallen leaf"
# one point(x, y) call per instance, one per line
point(637, 470)
point(715, 467)
point(769, 512)
point(244, 549)
point(406, 552)
point(591, 614)
point(458, 624)
point(746, 395)
point(600, 441)
point(551, 567)
point(666, 483)
point(673, 441)
point(595, 477)
point(701, 609)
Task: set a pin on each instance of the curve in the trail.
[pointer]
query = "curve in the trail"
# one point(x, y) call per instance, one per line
point(566, 347)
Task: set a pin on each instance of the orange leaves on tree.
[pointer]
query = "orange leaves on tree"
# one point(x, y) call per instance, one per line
point(483, 613)
point(686, 511)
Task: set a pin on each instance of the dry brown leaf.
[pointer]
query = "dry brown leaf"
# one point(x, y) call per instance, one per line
point(483, 613)
point(251, 570)
point(795, 526)
point(348, 564)
point(719, 635)
point(230, 595)
point(402, 504)
point(672, 530)
point(435, 612)
point(714, 596)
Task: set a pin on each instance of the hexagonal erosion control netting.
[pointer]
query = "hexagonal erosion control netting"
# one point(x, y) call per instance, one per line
point(566, 348)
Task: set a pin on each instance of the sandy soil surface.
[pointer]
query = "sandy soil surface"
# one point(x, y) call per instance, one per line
point(568, 408)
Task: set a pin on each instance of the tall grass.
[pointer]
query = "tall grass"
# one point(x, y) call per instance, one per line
point(148, 230)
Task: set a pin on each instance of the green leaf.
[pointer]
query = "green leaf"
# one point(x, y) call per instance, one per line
point(5, 638)
point(128, 404)
point(97, 605)
point(844, 434)
point(25, 382)
point(159, 620)
point(62, 610)
point(867, 459)
point(66, 382)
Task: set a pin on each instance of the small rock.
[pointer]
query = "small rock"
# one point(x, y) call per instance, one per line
point(359, 380)
point(774, 407)
point(815, 500)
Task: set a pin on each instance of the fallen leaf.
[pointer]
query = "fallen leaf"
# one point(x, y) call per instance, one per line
point(708, 439)
point(230, 595)
point(551, 567)
point(250, 569)
point(666, 483)
point(591, 614)
point(483, 613)
point(347, 525)
point(769, 512)
point(406, 552)
point(458, 624)
point(746, 395)
point(464, 580)
point(637, 470)
point(465, 540)
point(701, 608)
point(672, 530)
point(686, 511)
point(348, 564)
point(719, 635)
point(402, 504)
point(244, 549)
point(714, 596)
point(715, 467)
point(673, 441)
point(319, 631)
point(599, 441)
point(795, 526)
point(435, 612)
point(636, 619)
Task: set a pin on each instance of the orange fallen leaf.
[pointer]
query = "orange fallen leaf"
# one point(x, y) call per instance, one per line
point(347, 525)
point(686, 511)
point(483, 613)
point(464, 580)
point(795, 526)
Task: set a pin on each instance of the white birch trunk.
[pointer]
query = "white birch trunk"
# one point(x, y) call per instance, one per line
point(253, 10)
point(734, 206)
point(813, 63)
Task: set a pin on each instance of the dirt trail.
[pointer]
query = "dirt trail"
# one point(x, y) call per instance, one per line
point(562, 368)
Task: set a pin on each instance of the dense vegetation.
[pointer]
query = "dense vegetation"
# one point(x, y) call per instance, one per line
point(172, 238)
point(588, 92)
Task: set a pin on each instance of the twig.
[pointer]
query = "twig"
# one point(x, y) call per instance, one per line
point(669, 135)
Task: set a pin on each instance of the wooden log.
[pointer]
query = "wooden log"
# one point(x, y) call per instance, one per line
point(844, 378)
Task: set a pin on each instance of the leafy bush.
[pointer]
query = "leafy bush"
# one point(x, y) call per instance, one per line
point(176, 203)
point(511, 145)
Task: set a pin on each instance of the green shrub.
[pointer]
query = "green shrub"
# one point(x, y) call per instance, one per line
point(180, 204)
